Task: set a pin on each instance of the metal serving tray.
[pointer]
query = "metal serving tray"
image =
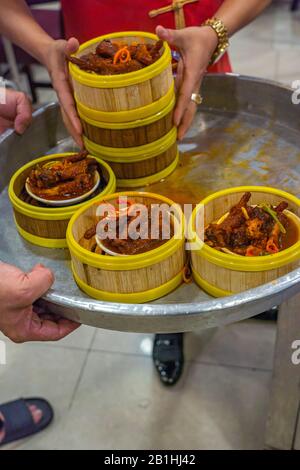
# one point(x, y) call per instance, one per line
point(246, 132)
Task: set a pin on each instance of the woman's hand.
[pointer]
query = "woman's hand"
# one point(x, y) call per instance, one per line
point(57, 66)
point(196, 46)
point(20, 320)
point(16, 112)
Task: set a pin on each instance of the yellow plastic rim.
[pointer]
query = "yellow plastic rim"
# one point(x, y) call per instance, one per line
point(128, 263)
point(240, 263)
point(136, 298)
point(209, 288)
point(126, 119)
point(40, 241)
point(55, 213)
point(133, 154)
point(148, 180)
point(127, 79)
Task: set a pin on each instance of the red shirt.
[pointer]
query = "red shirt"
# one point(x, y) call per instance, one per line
point(91, 18)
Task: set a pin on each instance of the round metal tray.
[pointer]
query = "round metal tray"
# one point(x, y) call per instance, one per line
point(246, 132)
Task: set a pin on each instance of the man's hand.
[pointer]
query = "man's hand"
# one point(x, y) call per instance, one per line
point(16, 112)
point(58, 71)
point(20, 320)
point(196, 46)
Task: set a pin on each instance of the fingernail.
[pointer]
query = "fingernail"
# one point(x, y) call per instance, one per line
point(40, 265)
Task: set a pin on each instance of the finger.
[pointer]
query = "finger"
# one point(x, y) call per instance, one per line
point(33, 285)
point(187, 120)
point(60, 79)
point(179, 75)
point(189, 85)
point(172, 36)
point(23, 113)
point(7, 270)
point(72, 46)
point(47, 330)
point(65, 96)
point(77, 136)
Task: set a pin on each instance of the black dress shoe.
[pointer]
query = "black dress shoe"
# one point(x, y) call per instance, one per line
point(168, 357)
point(269, 315)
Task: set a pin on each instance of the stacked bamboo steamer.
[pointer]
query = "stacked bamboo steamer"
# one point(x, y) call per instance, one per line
point(127, 119)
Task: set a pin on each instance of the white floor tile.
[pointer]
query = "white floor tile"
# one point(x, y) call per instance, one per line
point(121, 405)
point(126, 343)
point(246, 344)
point(41, 371)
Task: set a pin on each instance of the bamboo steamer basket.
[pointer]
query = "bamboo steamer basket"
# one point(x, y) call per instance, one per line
point(113, 93)
point(221, 274)
point(129, 129)
point(47, 226)
point(138, 166)
point(130, 279)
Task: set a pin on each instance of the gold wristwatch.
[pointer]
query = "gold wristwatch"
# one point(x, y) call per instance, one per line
point(219, 27)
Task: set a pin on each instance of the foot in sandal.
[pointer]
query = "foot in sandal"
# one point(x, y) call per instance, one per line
point(23, 418)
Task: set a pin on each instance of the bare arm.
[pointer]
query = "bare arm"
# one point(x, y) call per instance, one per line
point(18, 25)
point(236, 14)
point(197, 45)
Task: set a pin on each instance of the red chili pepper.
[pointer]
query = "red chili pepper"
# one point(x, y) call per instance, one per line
point(122, 56)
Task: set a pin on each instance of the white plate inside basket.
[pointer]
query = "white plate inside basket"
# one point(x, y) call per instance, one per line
point(65, 202)
point(107, 250)
point(113, 253)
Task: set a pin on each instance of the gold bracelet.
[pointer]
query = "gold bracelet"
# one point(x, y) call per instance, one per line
point(223, 40)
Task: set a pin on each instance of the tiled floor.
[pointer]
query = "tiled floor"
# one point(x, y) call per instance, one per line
point(106, 394)
point(102, 384)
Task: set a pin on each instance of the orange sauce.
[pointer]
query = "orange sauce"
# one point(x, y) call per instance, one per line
point(292, 235)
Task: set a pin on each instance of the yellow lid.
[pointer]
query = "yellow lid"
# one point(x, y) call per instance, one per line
point(128, 263)
point(119, 81)
point(132, 154)
point(54, 213)
point(136, 298)
point(242, 263)
point(129, 119)
point(147, 180)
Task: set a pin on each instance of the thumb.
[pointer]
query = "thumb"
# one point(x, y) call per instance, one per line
point(72, 46)
point(172, 36)
point(38, 281)
point(23, 113)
